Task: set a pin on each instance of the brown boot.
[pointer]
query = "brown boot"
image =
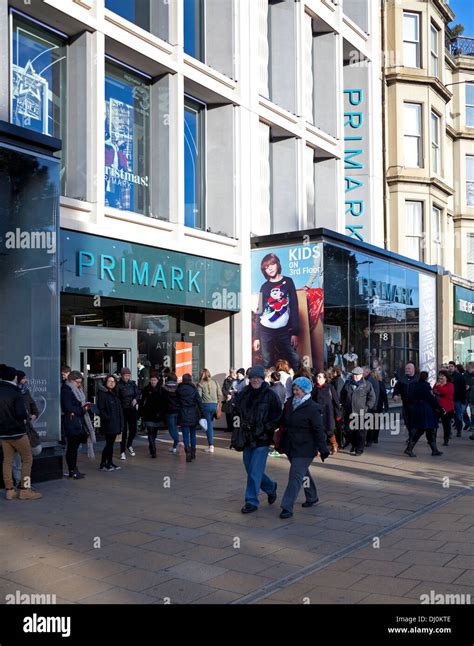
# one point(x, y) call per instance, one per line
point(11, 494)
point(28, 494)
point(333, 443)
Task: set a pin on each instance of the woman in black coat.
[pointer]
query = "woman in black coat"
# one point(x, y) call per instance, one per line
point(337, 380)
point(74, 409)
point(111, 420)
point(425, 415)
point(303, 438)
point(326, 396)
point(189, 414)
point(150, 410)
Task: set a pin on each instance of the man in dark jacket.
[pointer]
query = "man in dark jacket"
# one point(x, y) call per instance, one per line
point(376, 386)
point(357, 397)
point(259, 411)
point(460, 392)
point(469, 379)
point(404, 390)
point(13, 417)
point(128, 394)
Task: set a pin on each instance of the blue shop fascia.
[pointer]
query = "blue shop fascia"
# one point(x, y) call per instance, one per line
point(166, 298)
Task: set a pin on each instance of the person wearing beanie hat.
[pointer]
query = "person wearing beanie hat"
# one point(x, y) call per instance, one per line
point(13, 436)
point(259, 411)
point(128, 394)
point(303, 438)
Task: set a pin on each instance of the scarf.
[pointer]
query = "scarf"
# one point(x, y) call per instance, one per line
point(80, 395)
point(297, 401)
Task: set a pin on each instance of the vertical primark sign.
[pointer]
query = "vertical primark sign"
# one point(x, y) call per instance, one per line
point(29, 225)
point(356, 151)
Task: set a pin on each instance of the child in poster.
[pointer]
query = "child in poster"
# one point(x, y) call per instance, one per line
point(277, 326)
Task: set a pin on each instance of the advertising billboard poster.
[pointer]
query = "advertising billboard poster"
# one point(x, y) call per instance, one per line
point(287, 306)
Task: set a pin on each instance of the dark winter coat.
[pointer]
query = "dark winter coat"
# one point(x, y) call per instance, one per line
point(259, 410)
point(469, 381)
point(382, 400)
point(73, 412)
point(376, 386)
point(190, 405)
point(169, 398)
point(110, 411)
point(127, 392)
point(228, 388)
point(404, 389)
point(13, 413)
point(357, 396)
point(151, 404)
point(460, 391)
point(303, 434)
point(426, 409)
point(330, 405)
point(338, 383)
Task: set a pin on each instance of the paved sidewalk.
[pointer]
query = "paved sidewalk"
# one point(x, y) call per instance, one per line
point(164, 531)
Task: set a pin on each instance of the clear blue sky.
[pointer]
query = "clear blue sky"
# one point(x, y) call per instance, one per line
point(464, 10)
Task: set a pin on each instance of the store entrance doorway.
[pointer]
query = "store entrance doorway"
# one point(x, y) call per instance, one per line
point(98, 351)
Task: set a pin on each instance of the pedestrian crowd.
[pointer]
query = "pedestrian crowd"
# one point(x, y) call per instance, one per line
point(270, 412)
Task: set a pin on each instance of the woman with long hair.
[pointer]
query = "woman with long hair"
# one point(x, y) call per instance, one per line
point(283, 368)
point(171, 408)
point(325, 395)
point(189, 414)
point(150, 411)
point(77, 423)
point(111, 420)
point(211, 395)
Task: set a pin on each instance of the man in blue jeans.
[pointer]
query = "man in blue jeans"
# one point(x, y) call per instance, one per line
point(469, 380)
point(259, 411)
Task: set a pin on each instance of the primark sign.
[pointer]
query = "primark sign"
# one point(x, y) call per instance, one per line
point(386, 291)
point(463, 306)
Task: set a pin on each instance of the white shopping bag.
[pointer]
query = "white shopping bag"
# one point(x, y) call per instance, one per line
point(203, 423)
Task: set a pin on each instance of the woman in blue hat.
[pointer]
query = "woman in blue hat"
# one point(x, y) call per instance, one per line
point(303, 438)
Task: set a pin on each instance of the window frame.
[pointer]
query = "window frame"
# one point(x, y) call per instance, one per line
point(199, 107)
point(434, 55)
point(199, 30)
point(470, 182)
point(435, 142)
point(412, 42)
point(418, 137)
point(469, 107)
point(437, 249)
point(419, 237)
point(470, 263)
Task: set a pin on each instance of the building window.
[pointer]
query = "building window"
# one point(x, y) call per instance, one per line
point(470, 256)
point(127, 139)
point(412, 134)
point(436, 233)
point(411, 39)
point(434, 40)
point(414, 228)
point(38, 80)
point(149, 15)
point(470, 180)
point(470, 105)
point(194, 166)
point(435, 149)
point(194, 29)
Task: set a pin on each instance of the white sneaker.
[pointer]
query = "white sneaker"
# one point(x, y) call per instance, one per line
point(210, 449)
point(131, 451)
point(173, 450)
point(123, 456)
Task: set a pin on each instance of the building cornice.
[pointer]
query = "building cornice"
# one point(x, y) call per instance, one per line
point(399, 76)
point(445, 10)
point(460, 134)
point(424, 181)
